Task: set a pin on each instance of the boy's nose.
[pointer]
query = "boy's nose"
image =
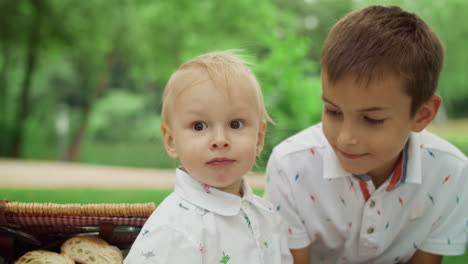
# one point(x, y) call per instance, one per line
point(346, 135)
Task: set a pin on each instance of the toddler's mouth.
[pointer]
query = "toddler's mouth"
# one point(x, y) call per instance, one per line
point(220, 162)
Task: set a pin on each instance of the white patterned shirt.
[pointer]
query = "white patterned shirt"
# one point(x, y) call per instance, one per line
point(345, 219)
point(200, 224)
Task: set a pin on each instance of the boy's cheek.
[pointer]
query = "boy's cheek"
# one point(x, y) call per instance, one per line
point(328, 130)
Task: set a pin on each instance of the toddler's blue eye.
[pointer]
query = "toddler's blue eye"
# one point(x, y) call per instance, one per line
point(199, 126)
point(236, 124)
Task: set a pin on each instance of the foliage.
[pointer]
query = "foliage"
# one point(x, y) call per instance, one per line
point(122, 116)
point(107, 62)
point(293, 100)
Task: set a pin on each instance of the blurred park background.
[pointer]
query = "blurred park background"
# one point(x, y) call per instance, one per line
point(82, 80)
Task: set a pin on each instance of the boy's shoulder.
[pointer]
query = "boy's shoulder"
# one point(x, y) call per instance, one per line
point(435, 144)
point(305, 140)
point(262, 203)
point(267, 214)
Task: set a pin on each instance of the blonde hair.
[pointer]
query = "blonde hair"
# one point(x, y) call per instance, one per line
point(224, 69)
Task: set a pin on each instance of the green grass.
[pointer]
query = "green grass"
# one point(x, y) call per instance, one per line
point(87, 195)
point(83, 195)
point(456, 260)
point(93, 195)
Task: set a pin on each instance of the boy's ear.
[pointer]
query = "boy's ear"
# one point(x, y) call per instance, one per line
point(426, 113)
point(169, 142)
point(261, 137)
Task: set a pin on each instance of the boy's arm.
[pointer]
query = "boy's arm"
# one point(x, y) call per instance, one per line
point(449, 235)
point(301, 256)
point(279, 192)
point(425, 257)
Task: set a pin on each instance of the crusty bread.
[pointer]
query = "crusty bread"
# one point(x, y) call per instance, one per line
point(44, 257)
point(91, 250)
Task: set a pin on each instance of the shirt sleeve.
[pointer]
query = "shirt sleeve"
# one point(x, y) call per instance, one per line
point(286, 257)
point(450, 236)
point(278, 191)
point(164, 245)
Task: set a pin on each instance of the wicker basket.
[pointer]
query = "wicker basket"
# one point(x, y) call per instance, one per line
point(29, 226)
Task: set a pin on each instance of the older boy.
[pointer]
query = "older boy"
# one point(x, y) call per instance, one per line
point(368, 184)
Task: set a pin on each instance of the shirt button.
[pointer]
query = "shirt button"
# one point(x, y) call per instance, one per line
point(372, 204)
point(370, 230)
point(245, 202)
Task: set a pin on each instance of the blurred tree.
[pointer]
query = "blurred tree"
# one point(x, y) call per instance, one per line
point(27, 28)
point(100, 58)
point(98, 43)
point(289, 67)
point(9, 13)
point(312, 19)
point(444, 18)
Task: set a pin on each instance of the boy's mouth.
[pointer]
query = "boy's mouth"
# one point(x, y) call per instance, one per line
point(352, 156)
point(220, 162)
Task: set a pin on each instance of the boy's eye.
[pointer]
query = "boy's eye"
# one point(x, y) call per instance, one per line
point(199, 126)
point(331, 112)
point(236, 124)
point(374, 121)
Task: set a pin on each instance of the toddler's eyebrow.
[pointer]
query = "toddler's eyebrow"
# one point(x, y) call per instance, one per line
point(367, 109)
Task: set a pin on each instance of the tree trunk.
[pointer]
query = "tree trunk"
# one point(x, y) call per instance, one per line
point(4, 129)
point(23, 109)
point(74, 153)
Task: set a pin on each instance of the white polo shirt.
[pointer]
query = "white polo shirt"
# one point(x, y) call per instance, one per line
point(200, 224)
point(345, 219)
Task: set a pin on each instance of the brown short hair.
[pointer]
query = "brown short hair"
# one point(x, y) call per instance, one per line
point(377, 40)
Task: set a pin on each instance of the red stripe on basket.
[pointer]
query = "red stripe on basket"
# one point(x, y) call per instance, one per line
point(45, 220)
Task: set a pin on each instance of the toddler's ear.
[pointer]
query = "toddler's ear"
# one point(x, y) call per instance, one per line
point(426, 113)
point(169, 142)
point(261, 137)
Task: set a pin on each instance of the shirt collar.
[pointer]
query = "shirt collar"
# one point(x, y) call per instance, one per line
point(331, 165)
point(210, 198)
point(414, 165)
point(408, 168)
point(400, 172)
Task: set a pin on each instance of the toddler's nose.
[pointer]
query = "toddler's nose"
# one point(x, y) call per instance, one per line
point(220, 140)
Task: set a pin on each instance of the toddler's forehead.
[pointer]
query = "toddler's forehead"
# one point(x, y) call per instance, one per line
point(228, 83)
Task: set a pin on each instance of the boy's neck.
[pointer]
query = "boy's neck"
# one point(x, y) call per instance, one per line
point(379, 177)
